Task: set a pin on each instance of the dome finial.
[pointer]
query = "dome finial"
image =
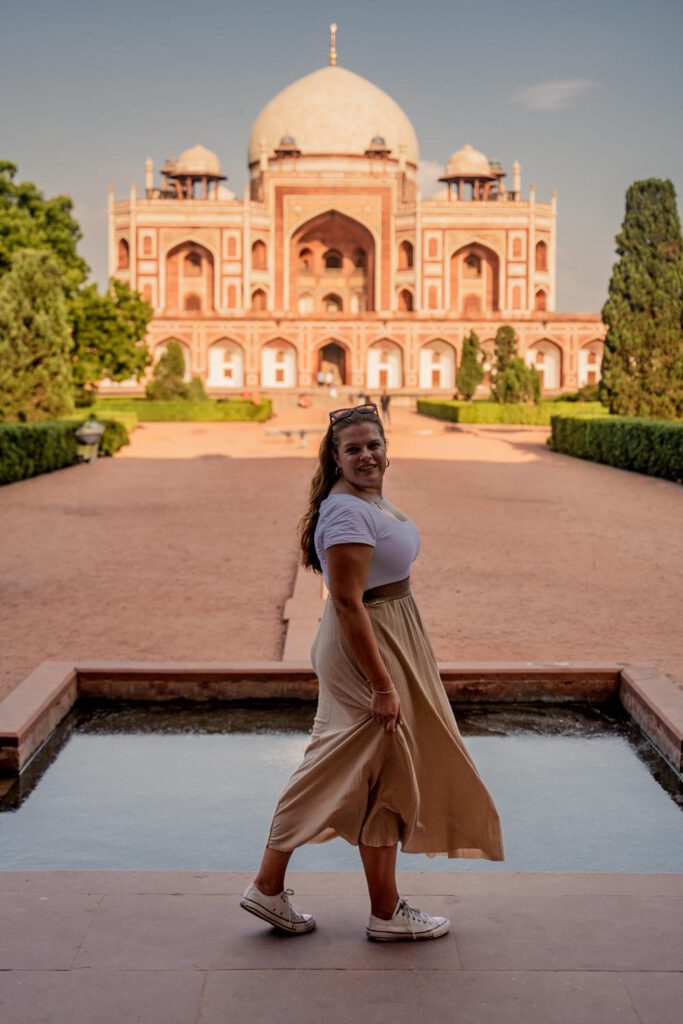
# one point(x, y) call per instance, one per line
point(333, 45)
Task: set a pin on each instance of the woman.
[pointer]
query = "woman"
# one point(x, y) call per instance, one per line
point(386, 761)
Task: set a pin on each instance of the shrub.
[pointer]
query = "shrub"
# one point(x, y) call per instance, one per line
point(650, 446)
point(179, 410)
point(494, 412)
point(27, 449)
point(196, 392)
point(168, 380)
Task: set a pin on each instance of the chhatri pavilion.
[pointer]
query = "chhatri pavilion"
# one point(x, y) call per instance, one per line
point(332, 261)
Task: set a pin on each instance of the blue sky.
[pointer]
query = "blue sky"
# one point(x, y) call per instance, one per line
point(587, 96)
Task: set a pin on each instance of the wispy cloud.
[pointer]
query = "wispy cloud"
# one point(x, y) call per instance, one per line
point(428, 174)
point(552, 95)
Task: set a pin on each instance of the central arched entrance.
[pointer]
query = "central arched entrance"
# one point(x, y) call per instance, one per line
point(332, 359)
point(332, 257)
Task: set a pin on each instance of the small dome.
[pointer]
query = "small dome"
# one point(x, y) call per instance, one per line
point(468, 163)
point(198, 160)
point(288, 140)
point(378, 140)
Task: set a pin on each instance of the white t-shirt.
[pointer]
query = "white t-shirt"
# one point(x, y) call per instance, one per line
point(346, 519)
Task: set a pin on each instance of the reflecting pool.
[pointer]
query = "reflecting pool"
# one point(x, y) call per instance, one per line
point(193, 787)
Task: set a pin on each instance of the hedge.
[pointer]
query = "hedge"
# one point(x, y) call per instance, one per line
point(211, 410)
point(654, 447)
point(460, 411)
point(27, 449)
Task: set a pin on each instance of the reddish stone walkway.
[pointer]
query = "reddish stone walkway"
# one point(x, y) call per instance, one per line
point(175, 948)
point(183, 547)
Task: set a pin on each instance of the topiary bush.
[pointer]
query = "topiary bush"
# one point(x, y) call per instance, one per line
point(653, 447)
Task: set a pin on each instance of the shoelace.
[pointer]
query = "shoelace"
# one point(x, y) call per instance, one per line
point(411, 914)
point(284, 895)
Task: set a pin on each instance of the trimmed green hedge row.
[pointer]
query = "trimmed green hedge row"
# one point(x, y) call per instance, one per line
point(27, 449)
point(654, 447)
point(459, 411)
point(212, 410)
point(128, 419)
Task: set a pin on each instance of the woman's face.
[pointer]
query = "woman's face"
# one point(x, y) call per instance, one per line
point(362, 455)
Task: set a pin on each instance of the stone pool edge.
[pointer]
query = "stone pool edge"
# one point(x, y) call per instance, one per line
point(29, 715)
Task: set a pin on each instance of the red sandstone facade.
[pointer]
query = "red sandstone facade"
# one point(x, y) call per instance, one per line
point(332, 261)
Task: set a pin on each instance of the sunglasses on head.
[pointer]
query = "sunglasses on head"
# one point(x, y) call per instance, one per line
point(368, 409)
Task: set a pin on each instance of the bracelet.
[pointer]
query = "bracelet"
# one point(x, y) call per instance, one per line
point(392, 690)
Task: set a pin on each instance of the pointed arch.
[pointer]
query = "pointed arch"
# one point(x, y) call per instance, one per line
point(331, 252)
point(189, 275)
point(278, 364)
point(475, 279)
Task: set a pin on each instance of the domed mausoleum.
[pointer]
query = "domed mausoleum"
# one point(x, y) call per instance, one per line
point(333, 261)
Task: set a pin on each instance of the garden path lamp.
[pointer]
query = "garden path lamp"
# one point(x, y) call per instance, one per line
point(88, 436)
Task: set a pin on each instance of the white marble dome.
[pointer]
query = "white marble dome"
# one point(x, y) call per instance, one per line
point(333, 112)
point(468, 162)
point(198, 160)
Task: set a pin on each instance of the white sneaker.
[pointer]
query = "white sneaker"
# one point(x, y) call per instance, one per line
point(276, 910)
point(406, 923)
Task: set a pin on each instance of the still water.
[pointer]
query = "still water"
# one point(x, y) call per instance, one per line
point(193, 787)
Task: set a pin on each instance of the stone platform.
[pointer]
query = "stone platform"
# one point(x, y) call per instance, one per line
point(175, 947)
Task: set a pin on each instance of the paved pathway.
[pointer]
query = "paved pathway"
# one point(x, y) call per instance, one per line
point(175, 948)
point(183, 547)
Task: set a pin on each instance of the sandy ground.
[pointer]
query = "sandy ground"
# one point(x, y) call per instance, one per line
point(183, 547)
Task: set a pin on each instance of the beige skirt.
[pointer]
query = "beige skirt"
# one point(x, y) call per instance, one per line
point(417, 785)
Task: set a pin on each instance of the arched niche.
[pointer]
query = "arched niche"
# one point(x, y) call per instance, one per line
point(187, 357)
point(259, 301)
point(546, 356)
point(541, 254)
point(332, 254)
point(385, 364)
point(123, 251)
point(332, 357)
point(405, 255)
point(189, 273)
point(474, 279)
point(590, 362)
point(259, 255)
point(306, 304)
point(226, 364)
point(437, 365)
point(278, 364)
point(540, 301)
point(405, 301)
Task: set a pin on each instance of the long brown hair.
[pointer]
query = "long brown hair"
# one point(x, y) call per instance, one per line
point(323, 479)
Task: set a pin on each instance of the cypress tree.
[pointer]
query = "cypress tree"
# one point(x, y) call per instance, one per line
point(471, 371)
point(511, 379)
point(642, 367)
point(168, 380)
point(35, 369)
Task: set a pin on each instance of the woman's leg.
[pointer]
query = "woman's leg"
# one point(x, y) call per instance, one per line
point(270, 879)
point(380, 871)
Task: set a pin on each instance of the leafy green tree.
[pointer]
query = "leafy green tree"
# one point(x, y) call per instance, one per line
point(168, 375)
point(642, 367)
point(35, 372)
point(511, 379)
point(108, 332)
point(30, 221)
point(519, 383)
point(471, 372)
